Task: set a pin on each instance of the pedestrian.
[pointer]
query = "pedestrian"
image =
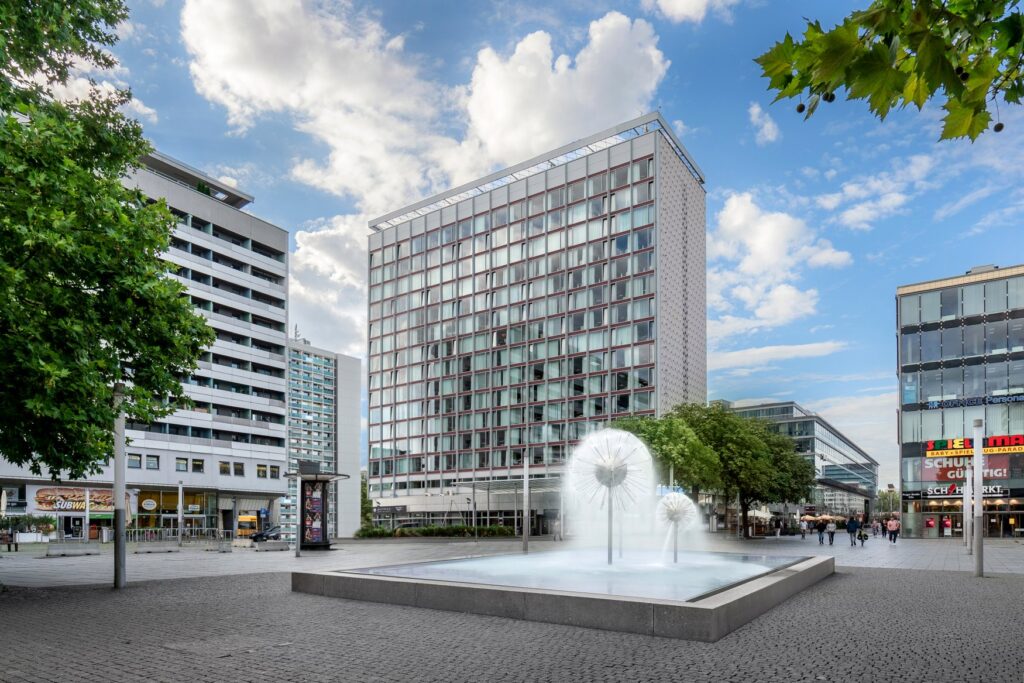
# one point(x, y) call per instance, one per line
point(874, 527)
point(862, 536)
point(556, 530)
point(852, 527)
point(778, 527)
point(831, 529)
point(820, 528)
point(803, 529)
point(894, 529)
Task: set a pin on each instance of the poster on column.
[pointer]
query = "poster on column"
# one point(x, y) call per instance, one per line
point(313, 512)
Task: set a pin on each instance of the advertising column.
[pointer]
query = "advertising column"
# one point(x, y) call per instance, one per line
point(313, 514)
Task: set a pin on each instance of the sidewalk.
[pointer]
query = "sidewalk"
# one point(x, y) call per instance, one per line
point(34, 569)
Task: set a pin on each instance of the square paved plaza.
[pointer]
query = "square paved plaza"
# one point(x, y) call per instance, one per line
point(880, 623)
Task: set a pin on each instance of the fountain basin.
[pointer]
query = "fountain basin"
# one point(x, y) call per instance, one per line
point(705, 597)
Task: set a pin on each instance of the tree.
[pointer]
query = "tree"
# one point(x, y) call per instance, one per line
point(365, 504)
point(888, 501)
point(85, 301)
point(902, 52)
point(673, 444)
point(757, 464)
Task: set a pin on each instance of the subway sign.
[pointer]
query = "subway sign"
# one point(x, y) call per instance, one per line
point(991, 445)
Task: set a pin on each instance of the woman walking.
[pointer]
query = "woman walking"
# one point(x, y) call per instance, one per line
point(830, 528)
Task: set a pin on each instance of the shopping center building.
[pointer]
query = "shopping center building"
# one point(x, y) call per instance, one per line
point(961, 359)
point(227, 452)
point(846, 476)
point(512, 316)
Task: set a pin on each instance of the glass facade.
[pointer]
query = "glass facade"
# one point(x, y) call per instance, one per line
point(961, 358)
point(839, 464)
point(512, 331)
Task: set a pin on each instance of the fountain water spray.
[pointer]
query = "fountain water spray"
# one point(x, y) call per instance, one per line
point(612, 466)
point(679, 511)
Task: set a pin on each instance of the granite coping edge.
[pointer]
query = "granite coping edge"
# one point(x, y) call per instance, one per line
point(708, 619)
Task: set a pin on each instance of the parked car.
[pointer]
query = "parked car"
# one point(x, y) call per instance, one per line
point(269, 534)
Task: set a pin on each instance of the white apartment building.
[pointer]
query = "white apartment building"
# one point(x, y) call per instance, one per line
point(228, 451)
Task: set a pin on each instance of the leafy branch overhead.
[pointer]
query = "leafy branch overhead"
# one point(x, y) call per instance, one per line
point(898, 52)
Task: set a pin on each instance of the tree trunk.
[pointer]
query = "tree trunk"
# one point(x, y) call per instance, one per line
point(745, 508)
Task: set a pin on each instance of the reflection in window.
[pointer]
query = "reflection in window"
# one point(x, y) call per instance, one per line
point(930, 307)
point(909, 313)
point(909, 384)
point(974, 340)
point(995, 337)
point(910, 349)
point(995, 296)
point(951, 343)
point(972, 300)
point(930, 346)
point(974, 381)
point(995, 379)
point(949, 303)
point(931, 385)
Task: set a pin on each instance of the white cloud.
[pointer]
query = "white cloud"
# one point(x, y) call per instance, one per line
point(678, 11)
point(681, 128)
point(767, 130)
point(531, 101)
point(85, 79)
point(870, 422)
point(869, 199)
point(757, 356)
point(950, 208)
point(755, 256)
point(387, 129)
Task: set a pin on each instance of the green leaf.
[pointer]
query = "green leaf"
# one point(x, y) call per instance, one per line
point(874, 78)
point(916, 91)
point(963, 121)
point(837, 50)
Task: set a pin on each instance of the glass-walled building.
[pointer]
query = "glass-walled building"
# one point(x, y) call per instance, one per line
point(847, 477)
point(961, 358)
point(510, 317)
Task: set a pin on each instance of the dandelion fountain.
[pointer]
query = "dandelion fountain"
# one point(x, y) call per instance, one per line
point(609, 488)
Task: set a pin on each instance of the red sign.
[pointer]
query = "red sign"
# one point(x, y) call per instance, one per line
point(955, 469)
point(992, 445)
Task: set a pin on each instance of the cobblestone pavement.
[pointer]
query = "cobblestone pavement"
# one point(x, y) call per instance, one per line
point(30, 567)
point(862, 624)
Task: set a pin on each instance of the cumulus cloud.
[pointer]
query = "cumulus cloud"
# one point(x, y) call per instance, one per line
point(755, 257)
point(678, 11)
point(84, 79)
point(765, 127)
point(386, 127)
point(867, 199)
point(560, 89)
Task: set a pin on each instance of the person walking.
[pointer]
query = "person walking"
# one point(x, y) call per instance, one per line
point(778, 527)
point(852, 527)
point(830, 528)
point(893, 528)
point(820, 528)
point(803, 529)
point(874, 527)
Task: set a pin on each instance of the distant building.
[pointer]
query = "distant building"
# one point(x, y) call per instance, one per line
point(323, 426)
point(228, 450)
point(847, 477)
point(512, 316)
point(960, 344)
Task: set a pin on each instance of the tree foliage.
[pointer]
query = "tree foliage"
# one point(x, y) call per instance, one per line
point(897, 53)
point(756, 464)
point(673, 444)
point(84, 298)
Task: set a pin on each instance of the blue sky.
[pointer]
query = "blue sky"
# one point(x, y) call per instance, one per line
point(331, 113)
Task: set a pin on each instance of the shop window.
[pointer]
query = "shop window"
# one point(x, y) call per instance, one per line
point(239, 469)
point(261, 471)
point(152, 462)
point(198, 466)
point(134, 461)
point(181, 464)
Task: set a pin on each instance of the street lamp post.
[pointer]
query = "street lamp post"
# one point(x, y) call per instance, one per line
point(979, 495)
point(120, 534)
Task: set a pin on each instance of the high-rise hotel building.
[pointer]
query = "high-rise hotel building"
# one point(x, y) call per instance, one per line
point(227, 450)
point(961, 358)
point(511, 316)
